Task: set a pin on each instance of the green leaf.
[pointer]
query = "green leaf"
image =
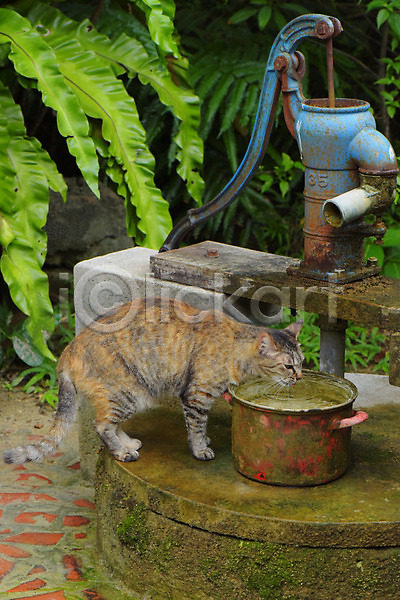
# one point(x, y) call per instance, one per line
point(392, 269)
point(23, 205)
point(33, 58)
point(376, 4)
point(184, 104)
point(392, 237)
point(54, 178)
point(287, 162)
point(387, 96)
point(279, 19)
point(382, 16)
point(50, 397)
point(384, 81)
point(159, 21)
point(264, 17)
point(133, 56)
point(284, 187)
point(242, 15)
point(394, 22)
point(7, 172)
point(26, 350)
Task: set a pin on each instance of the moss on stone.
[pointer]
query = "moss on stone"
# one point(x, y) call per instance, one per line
point(162, 558)
point(133, 531)
point(264, 568)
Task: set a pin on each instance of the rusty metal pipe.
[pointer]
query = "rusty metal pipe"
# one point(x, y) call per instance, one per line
point(332, 345)
point(330, 72)
point(377, 164)
point(349, 206)
point(373, 197)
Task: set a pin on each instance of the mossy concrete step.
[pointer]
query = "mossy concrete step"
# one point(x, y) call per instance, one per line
point(175, 528)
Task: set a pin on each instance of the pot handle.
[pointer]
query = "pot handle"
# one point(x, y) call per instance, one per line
point(227, 396)
point(358, 417)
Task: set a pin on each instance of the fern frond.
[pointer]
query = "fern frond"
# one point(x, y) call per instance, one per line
point(104, 97)
point(218, 97)
point(227, 76)
point(33, 58)
point(249, 105)
point(231, 148)
point(208, 82)
point(159, 17)
point(185, 105)
point(24, 197)
point(233, 105)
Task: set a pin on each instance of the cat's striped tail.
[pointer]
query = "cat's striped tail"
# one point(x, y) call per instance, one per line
point(63, 421)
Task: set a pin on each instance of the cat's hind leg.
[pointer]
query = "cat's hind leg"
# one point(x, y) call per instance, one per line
point(108, 433)
point(130, 443)
point(111, 411)
point(114, 404)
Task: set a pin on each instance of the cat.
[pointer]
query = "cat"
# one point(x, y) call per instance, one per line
point(133, 355)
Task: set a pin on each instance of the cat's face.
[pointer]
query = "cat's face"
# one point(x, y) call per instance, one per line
point(280, 355)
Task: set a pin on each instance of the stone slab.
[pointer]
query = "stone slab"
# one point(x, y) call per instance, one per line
point(374, 390)
point(359, 509)
point(159, 558)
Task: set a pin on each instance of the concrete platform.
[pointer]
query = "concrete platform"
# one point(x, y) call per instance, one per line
point(172, 528)
point(175, 501)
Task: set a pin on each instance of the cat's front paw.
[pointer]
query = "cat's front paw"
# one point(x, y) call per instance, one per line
point(204, 454)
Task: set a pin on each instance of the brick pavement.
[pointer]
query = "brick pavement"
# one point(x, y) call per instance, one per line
point(47, 531)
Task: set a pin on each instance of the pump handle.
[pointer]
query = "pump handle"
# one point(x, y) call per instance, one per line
point(305, 26)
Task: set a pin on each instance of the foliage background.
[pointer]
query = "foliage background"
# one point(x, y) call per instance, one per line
point(158, 98)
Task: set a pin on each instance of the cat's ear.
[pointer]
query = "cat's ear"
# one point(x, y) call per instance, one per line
point(294, 328)
point(266, 344)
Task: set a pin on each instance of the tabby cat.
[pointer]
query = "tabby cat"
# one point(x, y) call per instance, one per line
point(140, 351)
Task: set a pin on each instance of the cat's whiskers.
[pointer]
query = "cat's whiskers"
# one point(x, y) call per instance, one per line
point(276, 387)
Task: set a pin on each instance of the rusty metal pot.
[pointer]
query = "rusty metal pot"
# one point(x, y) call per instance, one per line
point(294, 446)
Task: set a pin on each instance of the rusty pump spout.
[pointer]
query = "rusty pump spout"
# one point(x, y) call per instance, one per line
point(376, 162)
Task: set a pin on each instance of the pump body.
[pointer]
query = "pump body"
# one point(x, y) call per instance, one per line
point(335, 159)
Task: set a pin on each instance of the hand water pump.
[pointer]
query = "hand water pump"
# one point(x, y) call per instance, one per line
point(350, 168)
point(350, 172)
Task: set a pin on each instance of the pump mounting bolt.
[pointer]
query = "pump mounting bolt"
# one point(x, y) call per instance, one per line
point(322, 29)
point(212, 253)
point(372, 261)
point(281, 63)
point(336, 275)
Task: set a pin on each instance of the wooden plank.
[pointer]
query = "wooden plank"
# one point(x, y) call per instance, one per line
point(260, 276)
